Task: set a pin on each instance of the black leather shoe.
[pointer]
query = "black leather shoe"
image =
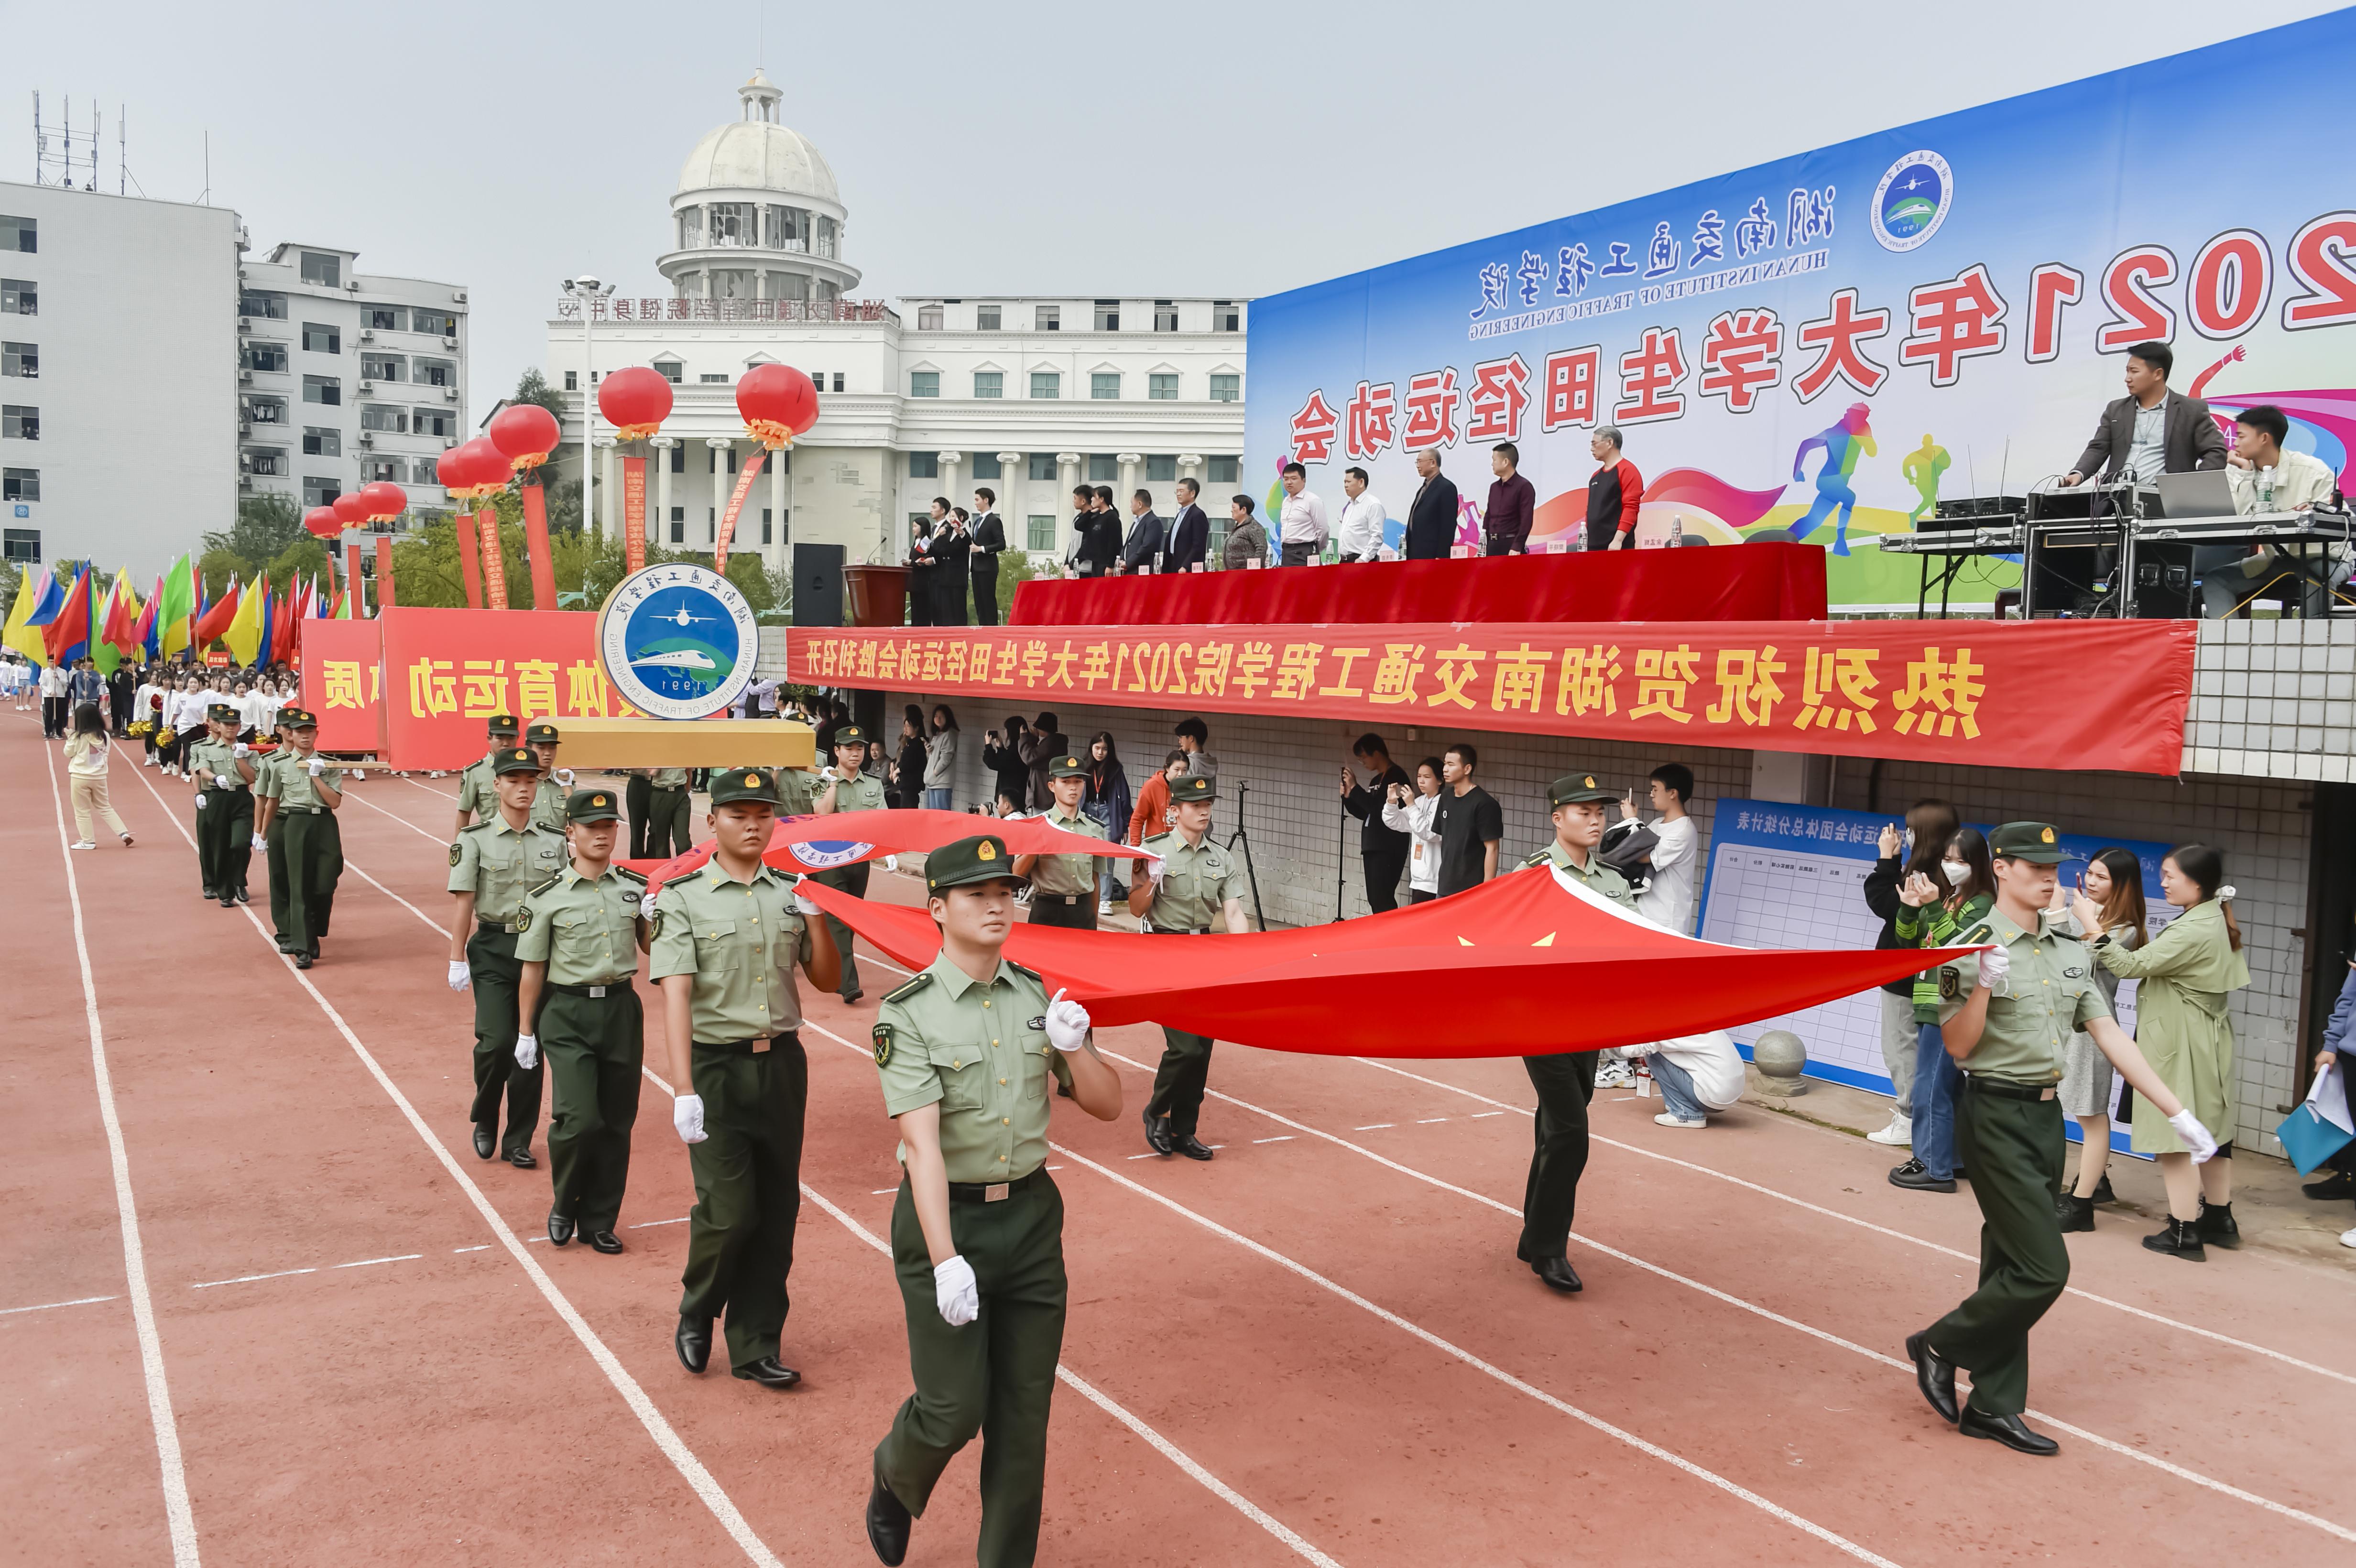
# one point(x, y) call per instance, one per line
point(1191, 1147)
point(1934, 1374)
point(2075, 1214)
point(2340, 1184)
point(603, 1241)
point(1916, 1177)
point(853, 997)
point(486, 1140)
point(694, 1343)
point(242, 898)
point(283, 945)
point(1157, 1133)
point(2215, 1227)
point(2180, 1240)
point(2103, 1193)
point(770, 1373)
point(210, 893)
point(2008, 1430)
point(229, 900)
point(560, 1227)
point(521, 1159)
point(1558, 1274)
point(887, 1522)
point(303, 961)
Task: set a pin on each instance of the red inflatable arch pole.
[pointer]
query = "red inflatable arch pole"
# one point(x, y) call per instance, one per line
point(451, 470)
point(525, 433)
point(635, 402)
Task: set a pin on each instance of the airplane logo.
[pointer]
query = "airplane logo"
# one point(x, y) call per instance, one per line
point(682, 658)
point(683, 619)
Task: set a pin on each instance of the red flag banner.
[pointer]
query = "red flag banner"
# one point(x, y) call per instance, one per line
point(735, 507)
point(495, 565)
point(846, 838)
point(343, 683)
point(1980, 693)
point(634, 512)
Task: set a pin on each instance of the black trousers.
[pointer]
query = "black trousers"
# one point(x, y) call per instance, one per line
point(225, 840)
point(638, 797)
point(1600, 531)
point(948, 596)
point(748, 1197)
point(498, 1078)
point(1060, 909)
point(1384, 870)
point(985, 596)
point(1565, 1082)
point(920, 595)
point(53, 716)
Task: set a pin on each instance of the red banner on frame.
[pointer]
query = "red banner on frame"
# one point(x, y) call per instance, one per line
point(736, 508)
point(2081, 695)
point(446, 672)
point(495, 566)
point(343, 683)
point(634, 512)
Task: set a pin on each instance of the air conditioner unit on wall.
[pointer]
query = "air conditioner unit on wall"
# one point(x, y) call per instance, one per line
point(459, 297)
point(450, 394)
point(449, 340)
point(367, 334)
point(368, 386)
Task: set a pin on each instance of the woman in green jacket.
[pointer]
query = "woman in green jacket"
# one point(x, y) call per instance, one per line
point(2188, 972)
point(1948, 910)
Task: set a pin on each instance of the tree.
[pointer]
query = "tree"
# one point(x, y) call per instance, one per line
point(266, 525)
point(306, 557)
point(219, 564)
point(533, 388)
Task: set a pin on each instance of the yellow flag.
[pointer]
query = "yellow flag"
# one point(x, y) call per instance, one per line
point(244, 633)
point(25, 639)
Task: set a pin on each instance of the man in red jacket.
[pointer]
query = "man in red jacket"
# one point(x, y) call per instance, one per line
point(1613, 494)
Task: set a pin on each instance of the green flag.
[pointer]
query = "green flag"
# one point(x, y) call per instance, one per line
point(179, 603)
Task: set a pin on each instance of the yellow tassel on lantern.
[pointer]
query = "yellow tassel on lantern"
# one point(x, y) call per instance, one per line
point(770, 433)
point(636, 432)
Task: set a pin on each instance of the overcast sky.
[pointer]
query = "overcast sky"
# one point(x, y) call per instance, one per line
point(1206, 149)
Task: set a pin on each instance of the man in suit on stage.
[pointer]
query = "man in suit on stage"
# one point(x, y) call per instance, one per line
point(989, 542)
point(2151, 430)
point(1190, 531)
point(1143, 545)
point(1432, 519)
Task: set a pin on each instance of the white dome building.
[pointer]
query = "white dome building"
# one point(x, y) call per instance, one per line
point(756, 215)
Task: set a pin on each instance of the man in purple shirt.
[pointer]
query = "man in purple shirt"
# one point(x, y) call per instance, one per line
point(1513, 504)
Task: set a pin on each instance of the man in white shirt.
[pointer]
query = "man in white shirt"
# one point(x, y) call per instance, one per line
point(2267, 478)
point(1668, 901)
point(57, 684)
point(1300, 528)
point(1362, 519)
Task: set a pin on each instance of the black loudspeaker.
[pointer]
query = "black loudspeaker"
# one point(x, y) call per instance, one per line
point(817, 585)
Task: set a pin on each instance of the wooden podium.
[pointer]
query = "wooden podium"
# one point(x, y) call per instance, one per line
point(878, 594)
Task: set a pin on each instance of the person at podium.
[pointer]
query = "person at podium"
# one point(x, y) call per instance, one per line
point(2151, 430)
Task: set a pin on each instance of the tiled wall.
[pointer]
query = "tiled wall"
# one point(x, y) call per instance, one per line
point(2275, 699)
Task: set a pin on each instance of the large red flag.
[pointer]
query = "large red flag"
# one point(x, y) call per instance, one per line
point(847, 837)
point(215, 621)
point(67, 638)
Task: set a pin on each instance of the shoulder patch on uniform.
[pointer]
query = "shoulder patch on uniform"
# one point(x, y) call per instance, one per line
point(457, 853)
point(1950, 985)
point(882, 1038)
point(523, 919)
point(534, 891)
point(1019, 969)
point(654, 926)
point(1538, 859)
point(633, 876)
point(922, 979)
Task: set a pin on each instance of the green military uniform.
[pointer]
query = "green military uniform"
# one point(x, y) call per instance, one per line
point(1565, 1082)
point(591, 1026)
point(499, 864)
point(225, 820)
point(741, 941)
point(1063, 886)
point(861, 792)
point(2009, 1133)
point(547, 801)
point(1191, 897)
point(796, 792)
point(475, 794)
point(666, 826)
point(306, 846)
point(979, 1051)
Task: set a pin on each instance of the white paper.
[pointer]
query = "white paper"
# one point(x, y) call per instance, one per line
point(2329, 1098)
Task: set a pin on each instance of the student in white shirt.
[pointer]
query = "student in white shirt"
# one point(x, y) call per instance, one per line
point(1669, 901)
point(1412, 815)
point(1300, 526)
point(2231, 575)
point(1362, 519)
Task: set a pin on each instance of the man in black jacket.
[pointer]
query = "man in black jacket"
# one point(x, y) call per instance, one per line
point(1143, 545)
point(1431, 517)
point(1382, 850)
point(1190, 532)
point(989, 543)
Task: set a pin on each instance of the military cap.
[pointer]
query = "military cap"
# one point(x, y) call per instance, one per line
point(1194, 786)
point(514, 760)
point(970, 861)
point(1578, 789)
point(221, 710)
point(850, 735)
point(745, 783)
point(542, 734)
point(504, 724)
point(2034, 841)
point(303, 719)
point(593, 806)
point(1067, 768)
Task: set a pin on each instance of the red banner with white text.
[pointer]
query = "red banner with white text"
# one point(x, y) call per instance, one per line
point(2081, 695)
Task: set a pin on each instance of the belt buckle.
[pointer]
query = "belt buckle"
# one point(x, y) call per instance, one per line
point(596, 990)
point(995, 1193)
point(2046, 1093)
point(760, 1045)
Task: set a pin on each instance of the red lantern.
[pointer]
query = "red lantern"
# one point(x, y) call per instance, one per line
point(636, 401)
point(351, 510)
point(483, 467)
point(323, 521)
point(525, 433)
point(779, 403)
point(384, 500)
point(450, 471)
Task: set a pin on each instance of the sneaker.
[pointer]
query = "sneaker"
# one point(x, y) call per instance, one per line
point(2347, 1238)
point(1614, 1075)
point(128, 841)
point(1104, 906)
point(85, 844)
point(1669, 1119)
point(1899, 1133)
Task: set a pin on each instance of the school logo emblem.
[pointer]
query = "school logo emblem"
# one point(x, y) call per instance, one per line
point(1912, 200)
point(826, 854)
point(678, 642)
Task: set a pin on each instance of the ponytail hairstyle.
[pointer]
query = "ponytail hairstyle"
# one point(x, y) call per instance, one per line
point(2204, 867)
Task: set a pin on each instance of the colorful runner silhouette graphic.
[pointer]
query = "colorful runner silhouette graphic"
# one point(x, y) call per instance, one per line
point(1844, 444)
point(1922, 468)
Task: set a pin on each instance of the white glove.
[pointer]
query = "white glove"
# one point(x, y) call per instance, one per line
point(1068, 1024)
point(954, 1292)
point(260, 845)
point(318, 766)
point(201, 800)
point(527, 1051)
point(564, 777)
point(1155, 869)
point(891, 862)
point(2196, 1137)
point(1995, 967)
point(687, 1116)
point(241, 749)
point(460, 975)
point(805, 906)
point(646, 907)
point(224, 780)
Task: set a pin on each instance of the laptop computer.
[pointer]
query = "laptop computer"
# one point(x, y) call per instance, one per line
point(2205, 493)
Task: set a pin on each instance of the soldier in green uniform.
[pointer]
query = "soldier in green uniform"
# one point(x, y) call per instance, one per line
point(555, 782)
point(726, 939)
point(965, 1050)
point(666, 804)
point(1566, 1081)
point(577, 939)
point(2006, 1014)
point(221, 767)
point(1190, 886)
point(1063, 886)
point(300, 794)
point(492, 865)
point(478, 799)
point(847, 787)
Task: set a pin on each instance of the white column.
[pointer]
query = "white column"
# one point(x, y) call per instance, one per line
point(1014, 467)
point(775, 553)
point(1129, 461)
point(949, 462)
point(1067, 463)
point(717, 444)
point(1190, 466)
point(659, 532)
point(607, 521)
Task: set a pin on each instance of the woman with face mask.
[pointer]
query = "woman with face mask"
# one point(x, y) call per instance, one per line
point(2108, 905)
point(1939, 909)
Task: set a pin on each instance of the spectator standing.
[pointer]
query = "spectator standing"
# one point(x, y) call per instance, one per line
point(57, 684)
point(86, 754)
point(1668, 900)
point(1410, 811)
point(1614, 493)
point(1431, 517)
point(1194, 740)
point(1950, 911)
point(953, 549)
point(1002, 755)
point(1144, 547)
point(905, 777)
point(1300, 526)
point(1247, 537)
point(86, 685)
point(940, 761)
point(119, 688)
point(1109, 805)
point(1153, 814)
point(920, 569)
point(1105, 533)
point(188, 709)
point(2338, 1046)
point(1382, 848)
point(1362, 519)
point(1513, 504)
point(1930, 823)
point(1039, 750)
point(981, 561)
point(1190, 531)
point(1469, 821)
point(2109, 904)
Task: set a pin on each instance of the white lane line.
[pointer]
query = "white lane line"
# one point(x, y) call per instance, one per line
point(250, 1278)
point(1478, 1115)
point(650, 1224)
point(1286, 1139)
point(364, 1262)
point(666, 1437)
point(1374, 1126)
point(1972, 1259)
point(53, 1306)
point(1427, 1121)
point(484, 1248)
point(179, 1518)
point(1086, 1391)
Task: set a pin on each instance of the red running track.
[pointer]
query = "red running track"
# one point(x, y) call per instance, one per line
point(1317, 1348)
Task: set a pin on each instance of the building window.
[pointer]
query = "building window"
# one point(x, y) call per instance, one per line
point(677, 459)
point(924, 465)
point(732, 223)
point(1104, 384)
point(318, 492)
point(1040, 465)
point(785, 229)
point(268, 306)
point(1226, 388)
point(1226, 316)
point(383, 367)
point(1046, 384)
point(678, 524)
point(985, 318)
point(1107, 315)
point(987, 466)
point(265, 357)
point(1165, 315)
point(19, 423)
point(1041, 533)
point(384, 417)
point(321, 441)
point(670, 371)
point(21, 544)
point(385, 317)
point(837, 380)
point(432, 422)
point(711, 380)
point(20, 234)
point(1226, 470)
point(990, 383)
point(322, 389)
point(924, 383)
point(327, 271)
point(321, 339)
point(20, 483)
point(573, 381)
point(424, 471)
point(268, 462)
point(929, 318)
point(373, 469)
point(434, 323)
point(1048, 318)
point(19, 296)
point(264, 408)
point(1160, 467)
point(1163, 388)
point(1103, 467)
point(691, 228)
point(22, 359)
point(768, 524)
